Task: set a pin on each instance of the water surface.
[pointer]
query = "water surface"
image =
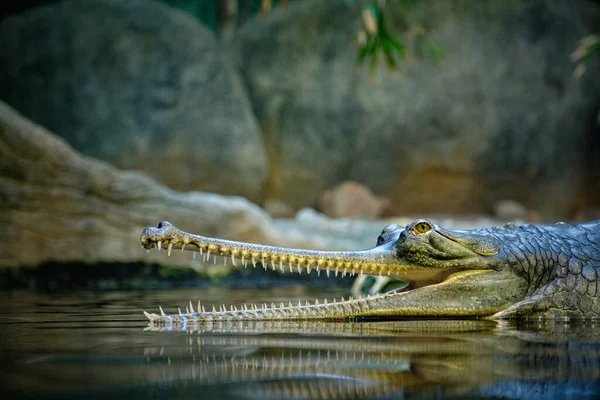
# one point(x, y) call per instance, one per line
point(90, 344)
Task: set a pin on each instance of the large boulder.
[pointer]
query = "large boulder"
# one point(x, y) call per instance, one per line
point(138, 84)
point(502, 117)
point(57, 205)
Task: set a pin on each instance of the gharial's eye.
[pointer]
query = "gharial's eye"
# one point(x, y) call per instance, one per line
point(422, 228)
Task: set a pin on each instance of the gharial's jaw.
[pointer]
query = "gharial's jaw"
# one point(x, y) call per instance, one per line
point(441, 295)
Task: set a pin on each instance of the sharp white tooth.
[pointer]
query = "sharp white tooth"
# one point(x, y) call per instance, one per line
point(299, 304)
point(245, 263)
point(200, 250)
point(264, 266)
point(199, 307)
point(281, 266)
point(169, 249)
point(187, 311)
point(299, 269)
point(159, 245)
point(233, 259)
point(308, 268)
point(182, 247)
point(162, 313)
point(290, 265)
point(253, 262)
point(327, 272)
point(148, 316)
point(214, 310)
point(207, 254)
point(336, 271)
point(273, 264)
point(281, 306)
point(203, 310)
point(316, 302)
point(192, 307)
point(179, 311)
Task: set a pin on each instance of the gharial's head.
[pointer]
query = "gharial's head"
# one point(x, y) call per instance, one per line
point(423, 247)
point(420, 251)
point(450, 272)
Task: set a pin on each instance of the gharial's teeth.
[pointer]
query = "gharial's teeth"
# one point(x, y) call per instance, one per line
point(281, 266)
point(179, 310)
point(253, 262)
point(159, 245)
point(207, 254)
point(191, 308)
point(233, 259)
point(169, 249)
point(182, 247)
point(162, 313)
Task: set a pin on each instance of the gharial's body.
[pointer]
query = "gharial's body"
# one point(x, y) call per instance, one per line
point(526, 271)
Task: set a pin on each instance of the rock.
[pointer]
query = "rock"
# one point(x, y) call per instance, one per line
point(500, 118)
point(138, 84)
point(276, 208)
point(352, 200)
point(57, 205)
point(510, 210)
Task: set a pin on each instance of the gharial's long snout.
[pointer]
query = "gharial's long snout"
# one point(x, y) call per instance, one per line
point(450, 271)
point(376, 261)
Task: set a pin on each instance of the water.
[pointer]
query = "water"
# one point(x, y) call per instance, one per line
point(90, 344)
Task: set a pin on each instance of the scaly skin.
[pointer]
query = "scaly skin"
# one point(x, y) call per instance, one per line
point(527, 271)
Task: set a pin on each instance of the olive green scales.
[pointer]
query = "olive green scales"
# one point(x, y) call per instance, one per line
point(510, 272)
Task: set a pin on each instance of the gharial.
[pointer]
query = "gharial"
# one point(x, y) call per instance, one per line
point(510, 272)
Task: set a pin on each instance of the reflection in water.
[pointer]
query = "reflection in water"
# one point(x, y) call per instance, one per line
point(97, 345)
point(422, 359)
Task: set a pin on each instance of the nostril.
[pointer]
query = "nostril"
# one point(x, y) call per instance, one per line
point(160, 225)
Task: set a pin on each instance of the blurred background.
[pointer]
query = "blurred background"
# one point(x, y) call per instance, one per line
point(302, 123)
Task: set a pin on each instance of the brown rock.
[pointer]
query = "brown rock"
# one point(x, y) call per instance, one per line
point(352, 200)
point(502, 116)
point(57, 205)
point(140, 85)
